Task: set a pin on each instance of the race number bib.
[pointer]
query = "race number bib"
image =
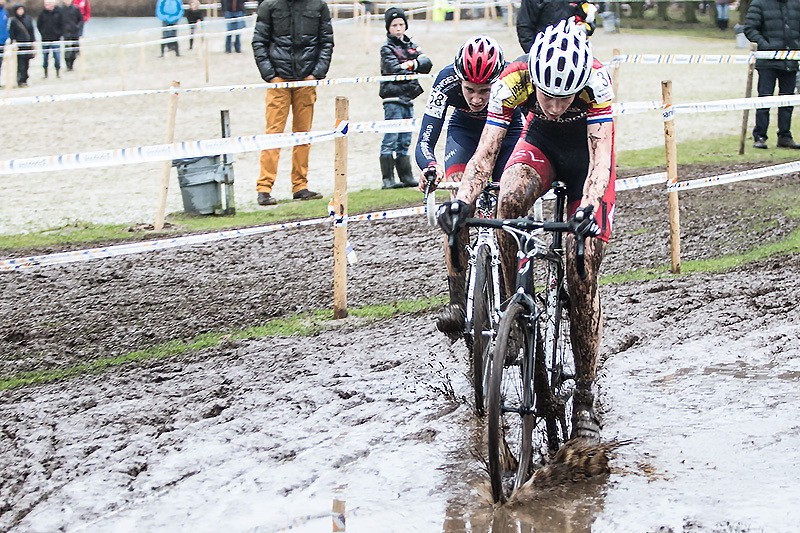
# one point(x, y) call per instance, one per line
point(437, 103)
point(600, 84)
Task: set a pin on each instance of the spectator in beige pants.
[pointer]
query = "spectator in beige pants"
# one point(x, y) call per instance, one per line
point(293, 41)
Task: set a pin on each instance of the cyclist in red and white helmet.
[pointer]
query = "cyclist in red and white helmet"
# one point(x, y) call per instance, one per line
point(464, 85)
point(567, 94)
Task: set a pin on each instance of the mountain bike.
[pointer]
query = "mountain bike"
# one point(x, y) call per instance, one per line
point(482, 307)
point(531, 380)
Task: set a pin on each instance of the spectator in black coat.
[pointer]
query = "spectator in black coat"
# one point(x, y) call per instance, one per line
point(774, 25)
point(51, 28)
point(535, 15)
point(73, 29)
point(194, 14)
point(293, 40)
point(20, 31)
point(399, 55)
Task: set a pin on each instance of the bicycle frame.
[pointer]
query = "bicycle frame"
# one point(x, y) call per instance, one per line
point(485, 207)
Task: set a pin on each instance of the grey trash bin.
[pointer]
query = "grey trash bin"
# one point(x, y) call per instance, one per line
point(206, 185)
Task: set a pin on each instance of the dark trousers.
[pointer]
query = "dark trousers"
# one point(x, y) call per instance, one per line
point(53, 47)
point(766, 87)
point(22, 68)
point(2, 53)
point(71, 50)
point(169, 32)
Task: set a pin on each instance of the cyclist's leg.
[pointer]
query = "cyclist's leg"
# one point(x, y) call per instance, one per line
point(586, 318)
point(528, 174)
point(459, 147)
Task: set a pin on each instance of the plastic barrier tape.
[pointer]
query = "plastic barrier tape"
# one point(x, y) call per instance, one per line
point(764, 172)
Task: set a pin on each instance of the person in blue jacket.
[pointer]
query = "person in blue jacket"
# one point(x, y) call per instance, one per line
point(3, 32)
point(169, 12)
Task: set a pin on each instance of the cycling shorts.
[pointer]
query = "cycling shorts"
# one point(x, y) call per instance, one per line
point(462, 141)
point(573, 173)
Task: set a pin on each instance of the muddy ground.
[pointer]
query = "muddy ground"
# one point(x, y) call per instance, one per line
point(700, 371)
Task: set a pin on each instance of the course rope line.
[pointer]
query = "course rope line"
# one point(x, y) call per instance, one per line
point(705, 59)
point(25, 100)
point(764, 172)
point(167, 152)
point(63, 258)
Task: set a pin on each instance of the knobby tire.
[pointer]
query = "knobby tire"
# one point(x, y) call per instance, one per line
point(483, 304)
point(510, 433)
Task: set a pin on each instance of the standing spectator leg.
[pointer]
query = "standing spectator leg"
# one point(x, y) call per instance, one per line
point(786, 82)
point(229, 27)
point(22, 69)
point(402, 159)
point(303, 99)
point(278, 103)
point(45, 57)
point(57, 58)
point(766, 87)
point(2, 53)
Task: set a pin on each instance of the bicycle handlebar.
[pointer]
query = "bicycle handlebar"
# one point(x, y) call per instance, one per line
point(529, 225)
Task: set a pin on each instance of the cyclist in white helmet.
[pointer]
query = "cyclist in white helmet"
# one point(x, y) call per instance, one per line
point(570, 138)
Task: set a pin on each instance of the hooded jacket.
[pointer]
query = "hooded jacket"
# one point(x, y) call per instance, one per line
point(394, 53)
point(169, 11)
point(774, 25)
point(293, 39)
point(73, 22)
point(20, 30)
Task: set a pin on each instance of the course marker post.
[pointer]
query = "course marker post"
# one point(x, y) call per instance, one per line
point(11, 67)
point(672, 176)
point(169, 138)
point(340, 215)
point(206, 58)
point(337, 516)
point(748, 92)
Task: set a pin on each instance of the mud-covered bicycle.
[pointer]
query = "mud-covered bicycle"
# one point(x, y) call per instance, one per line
point(482, 307)
point(531, 377)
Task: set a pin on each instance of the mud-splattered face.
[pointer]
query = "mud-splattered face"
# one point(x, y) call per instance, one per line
point(476, 94)
point(553, 107)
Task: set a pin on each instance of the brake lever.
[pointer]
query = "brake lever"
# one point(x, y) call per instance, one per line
point(429, 199)
point(580, 255)
point(452, 243)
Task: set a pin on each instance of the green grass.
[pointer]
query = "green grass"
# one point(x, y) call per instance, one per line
point(84, 232)
point(719, 151)
point(304, 324)
point(790, 245)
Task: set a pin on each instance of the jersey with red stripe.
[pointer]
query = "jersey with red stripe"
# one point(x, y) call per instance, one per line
point(515, 89)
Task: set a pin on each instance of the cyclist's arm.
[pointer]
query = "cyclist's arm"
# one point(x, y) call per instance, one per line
point(430, 130)
point(600, 137)
point(478, 171)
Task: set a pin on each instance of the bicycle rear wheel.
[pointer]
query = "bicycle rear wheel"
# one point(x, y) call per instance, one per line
point(481, 327)
point(510, 406)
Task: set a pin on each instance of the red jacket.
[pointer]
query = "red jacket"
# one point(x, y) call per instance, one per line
point(86, 9)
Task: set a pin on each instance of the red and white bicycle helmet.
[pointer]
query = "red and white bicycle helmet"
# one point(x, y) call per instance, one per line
point(560, 60)
point(479, 60)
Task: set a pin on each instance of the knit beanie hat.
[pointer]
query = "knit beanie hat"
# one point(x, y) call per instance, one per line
point(395, 13)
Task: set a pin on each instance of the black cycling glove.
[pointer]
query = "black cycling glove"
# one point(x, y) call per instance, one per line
point(451, 215)
point(584, 223)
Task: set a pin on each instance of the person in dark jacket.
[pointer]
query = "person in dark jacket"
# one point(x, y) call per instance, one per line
point(51, 28)
point(20, 31)
point(194, 14)
point(73, 29)
point(399, 55)
point(293, 40)
point(535, 15)
point(233, 9)
point(774, 25)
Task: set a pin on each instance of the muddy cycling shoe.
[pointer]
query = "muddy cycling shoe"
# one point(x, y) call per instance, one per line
point(451, 321)
point(585, 424)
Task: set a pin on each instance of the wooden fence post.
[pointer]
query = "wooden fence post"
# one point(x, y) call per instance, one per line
point(337, 516)
point(169, 138)
point(10, 52)
point(748, 92)
point(340, 212)
point(206, 58)
point(672, 176)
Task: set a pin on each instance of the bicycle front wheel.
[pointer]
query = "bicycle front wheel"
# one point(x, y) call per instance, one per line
point(482, 331)
point(510, 406)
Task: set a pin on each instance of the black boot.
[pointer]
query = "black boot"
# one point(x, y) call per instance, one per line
point(58, 73)
point(452, 316)
point(403, 164)
point(45, 72)
point(387, 171)
point(585, 424)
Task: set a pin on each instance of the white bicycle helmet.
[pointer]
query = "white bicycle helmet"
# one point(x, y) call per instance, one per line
point(560, 60)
